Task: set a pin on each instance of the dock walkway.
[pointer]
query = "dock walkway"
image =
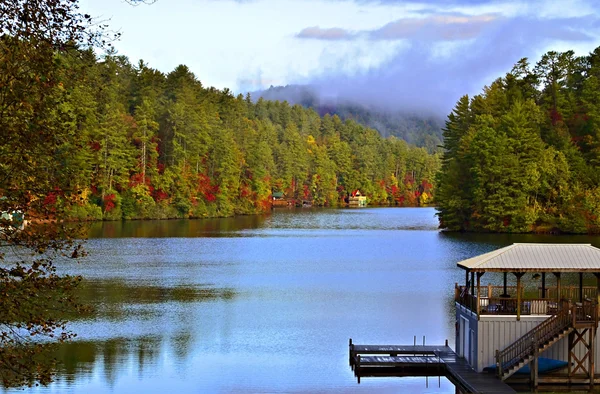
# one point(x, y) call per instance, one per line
point(390, 360)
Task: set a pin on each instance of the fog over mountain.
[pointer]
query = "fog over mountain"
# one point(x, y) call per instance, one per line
point(421, 128)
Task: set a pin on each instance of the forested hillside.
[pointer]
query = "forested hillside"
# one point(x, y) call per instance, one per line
point(524, 155)
point(417, 129)
point(141, 144)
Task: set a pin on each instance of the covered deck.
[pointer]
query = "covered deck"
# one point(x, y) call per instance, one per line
point(534, 264)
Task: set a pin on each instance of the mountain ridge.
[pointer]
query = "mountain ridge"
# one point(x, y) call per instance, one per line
point(423, 130)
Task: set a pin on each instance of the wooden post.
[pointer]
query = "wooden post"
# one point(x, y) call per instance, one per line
point(592, 355)
point(534, 366)
point(581, 287)
point(518, 275)
point(490, 290)
point(557, 274)
point(597, 274)
point(505, 280)
point(570, 360)
point(498, 365)
point(467, 279)
point(543, 285)
point(472, 282)
point(479, 275)
point(350, 349)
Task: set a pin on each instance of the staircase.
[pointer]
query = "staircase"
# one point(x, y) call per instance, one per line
point(546, 334)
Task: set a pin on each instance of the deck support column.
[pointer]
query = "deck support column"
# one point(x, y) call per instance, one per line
point(557, 274)
point(597, 275)
point(570, 347)
point(479, 275)
point(467, 280)
point(473, 282)
point(591, 360)
point(505, 280)
point(519, 275)
point(534, 365)
point(543, 285)
point(581, 287)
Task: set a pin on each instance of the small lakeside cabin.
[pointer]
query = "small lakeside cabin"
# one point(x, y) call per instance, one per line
point(504, 328)
point(279, 200)
point(357, 200)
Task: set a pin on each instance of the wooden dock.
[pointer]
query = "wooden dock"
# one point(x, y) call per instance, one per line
point(416, 360)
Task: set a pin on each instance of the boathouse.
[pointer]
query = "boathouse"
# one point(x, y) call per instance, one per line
point(539, 317)
point(279, 200)
point(357, 200)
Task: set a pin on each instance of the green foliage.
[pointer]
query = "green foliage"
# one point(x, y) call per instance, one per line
point(522, 159)
point(42, 129)
point(147, 145)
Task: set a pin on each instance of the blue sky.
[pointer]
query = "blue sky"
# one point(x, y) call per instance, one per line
point(403, 54)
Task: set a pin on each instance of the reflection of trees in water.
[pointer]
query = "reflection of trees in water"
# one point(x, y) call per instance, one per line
point(80, 359)
point(120, 300)
point(175, 228)
point(117, 299)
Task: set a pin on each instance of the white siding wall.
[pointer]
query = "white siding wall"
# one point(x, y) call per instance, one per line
point(497, 332)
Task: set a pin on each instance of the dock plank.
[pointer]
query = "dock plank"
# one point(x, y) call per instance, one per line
point(422, 359)
point(398, 360)
point(475, 382)
point(398, 349)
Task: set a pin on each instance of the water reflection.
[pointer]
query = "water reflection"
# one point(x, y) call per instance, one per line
point(263, 225)
point(81, 360)
point(213, 227)
point(119, 299)
point(264, 303)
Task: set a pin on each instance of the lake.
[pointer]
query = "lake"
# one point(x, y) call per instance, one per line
point(265, 303)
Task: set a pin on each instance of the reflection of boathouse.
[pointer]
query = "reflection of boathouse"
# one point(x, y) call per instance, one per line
point(508, 327)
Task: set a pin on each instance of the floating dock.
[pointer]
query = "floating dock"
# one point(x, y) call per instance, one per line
point(416, 360)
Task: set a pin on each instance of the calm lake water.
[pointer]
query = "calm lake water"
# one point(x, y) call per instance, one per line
point(265, 303)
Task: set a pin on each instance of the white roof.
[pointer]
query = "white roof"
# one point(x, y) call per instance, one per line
point(537, 257)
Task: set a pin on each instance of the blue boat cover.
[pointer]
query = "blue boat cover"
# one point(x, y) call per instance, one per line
point(545, 365)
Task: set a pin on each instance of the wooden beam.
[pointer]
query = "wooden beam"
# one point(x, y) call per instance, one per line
point(591, 359)
point(479, 275)
point(534, 365)
point(472, 282)
point(543, 285)
point(581, 287)
point(570, 359)
point(557, 274)
point(597, 275)
point(518, 275)
point(505, 280)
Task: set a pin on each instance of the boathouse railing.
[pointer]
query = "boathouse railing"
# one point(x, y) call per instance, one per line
point(463, 297)
point(571, 292)
point(500, 304)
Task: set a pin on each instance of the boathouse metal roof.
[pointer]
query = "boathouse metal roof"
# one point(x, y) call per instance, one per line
point(538, 258)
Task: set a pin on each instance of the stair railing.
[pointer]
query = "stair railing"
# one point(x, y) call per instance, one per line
point(531, 341)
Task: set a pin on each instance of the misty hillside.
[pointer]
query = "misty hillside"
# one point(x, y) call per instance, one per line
point(421, 130)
